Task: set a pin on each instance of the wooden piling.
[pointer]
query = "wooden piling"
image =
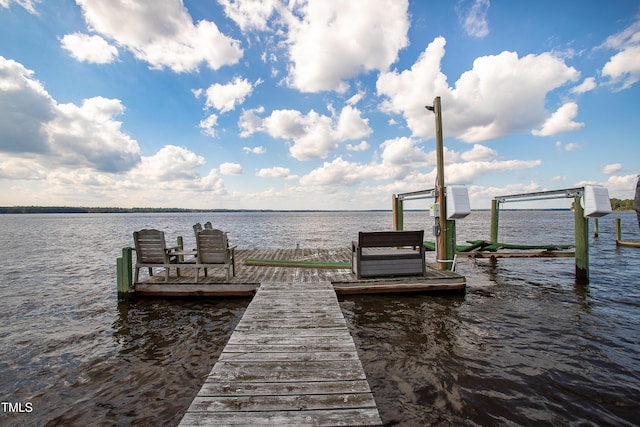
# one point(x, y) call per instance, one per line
point(581, 241)
point(398, 213)
point(451, 243)
point(441, 238)
point(495, 218)
point(124, 272)
point(618, 230)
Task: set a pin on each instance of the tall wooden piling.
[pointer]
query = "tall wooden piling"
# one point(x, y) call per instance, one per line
point(495, 218)
point(581, 241)
point(441, 238)
point(618, 230)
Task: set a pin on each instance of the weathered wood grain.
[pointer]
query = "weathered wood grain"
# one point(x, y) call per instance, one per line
point(290, 361)
point(248, 277)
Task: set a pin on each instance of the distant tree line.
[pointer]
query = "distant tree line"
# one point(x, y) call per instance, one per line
point(72, 209)
point(621, 205)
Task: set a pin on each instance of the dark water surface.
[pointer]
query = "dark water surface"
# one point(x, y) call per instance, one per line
point(525, 345)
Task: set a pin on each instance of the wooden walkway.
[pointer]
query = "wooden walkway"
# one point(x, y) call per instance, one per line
point(290, 361)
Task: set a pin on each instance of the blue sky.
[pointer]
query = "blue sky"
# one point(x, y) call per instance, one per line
point(316, 104)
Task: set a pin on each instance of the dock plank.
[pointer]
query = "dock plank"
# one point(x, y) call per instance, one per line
point(248, 277)
point(290, 361)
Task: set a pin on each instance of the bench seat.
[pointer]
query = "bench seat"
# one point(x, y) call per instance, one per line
point(388, 253)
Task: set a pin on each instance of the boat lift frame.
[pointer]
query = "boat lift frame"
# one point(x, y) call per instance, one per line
point(581, 224)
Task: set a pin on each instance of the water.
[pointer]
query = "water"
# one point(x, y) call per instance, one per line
point(525, 345)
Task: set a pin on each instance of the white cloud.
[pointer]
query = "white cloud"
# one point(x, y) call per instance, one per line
point(226, 97)
point(93, 49)
point(401, 171)
point(474, 17)
point(363, 146)
point(489, 101)
point(62, 135)
point(228, 168)
point(403, 151)
point(611, 168)
point(587, 85)
point(26, 109)
point(560, 121)
point(254, 150)
point(274, 172)
point(351, 125)
point(250, 14)
point(208, 125)
point(328, 41)
point(572, 146)
point(479, 153)
point(210, 184)
point(24, 169)
point(249, 122)
point(89, 136)
point(624, 67)
point(161, 33)
point(621, 186)
point(467, 172)
point(313, 135)
point(29, 5)
point(356, 98)
point(337, 173)
point(171, 163)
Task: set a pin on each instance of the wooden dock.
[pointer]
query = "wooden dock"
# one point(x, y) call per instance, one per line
point(290, 361)
point(248, 277)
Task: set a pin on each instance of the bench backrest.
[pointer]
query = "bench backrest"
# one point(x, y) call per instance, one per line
point(382, 239)
point(212, 247)
point(150, 246)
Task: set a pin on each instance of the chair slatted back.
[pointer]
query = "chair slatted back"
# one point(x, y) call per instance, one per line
point(150, 246)
point(212, 247)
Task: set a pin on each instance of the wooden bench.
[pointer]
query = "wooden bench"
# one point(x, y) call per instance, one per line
point(388, 253)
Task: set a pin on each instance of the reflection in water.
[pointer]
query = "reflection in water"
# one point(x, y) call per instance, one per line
point(514, 353)
point(403, 342)
point(163, 351)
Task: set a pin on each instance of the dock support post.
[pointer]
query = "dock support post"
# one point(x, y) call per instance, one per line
point(495, 218)
point(180, 245)
point(581, 241)
point(618, 230)
point(398, 213)
point(441, 238)
point(595, 228)
point(124, 267)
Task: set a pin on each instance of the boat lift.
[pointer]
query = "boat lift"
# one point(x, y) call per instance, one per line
point(589, 202)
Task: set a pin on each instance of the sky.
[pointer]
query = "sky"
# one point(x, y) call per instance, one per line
point(313, 104)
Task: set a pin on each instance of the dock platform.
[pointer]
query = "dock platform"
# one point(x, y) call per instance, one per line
point(249, 276)
point(289, 361)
